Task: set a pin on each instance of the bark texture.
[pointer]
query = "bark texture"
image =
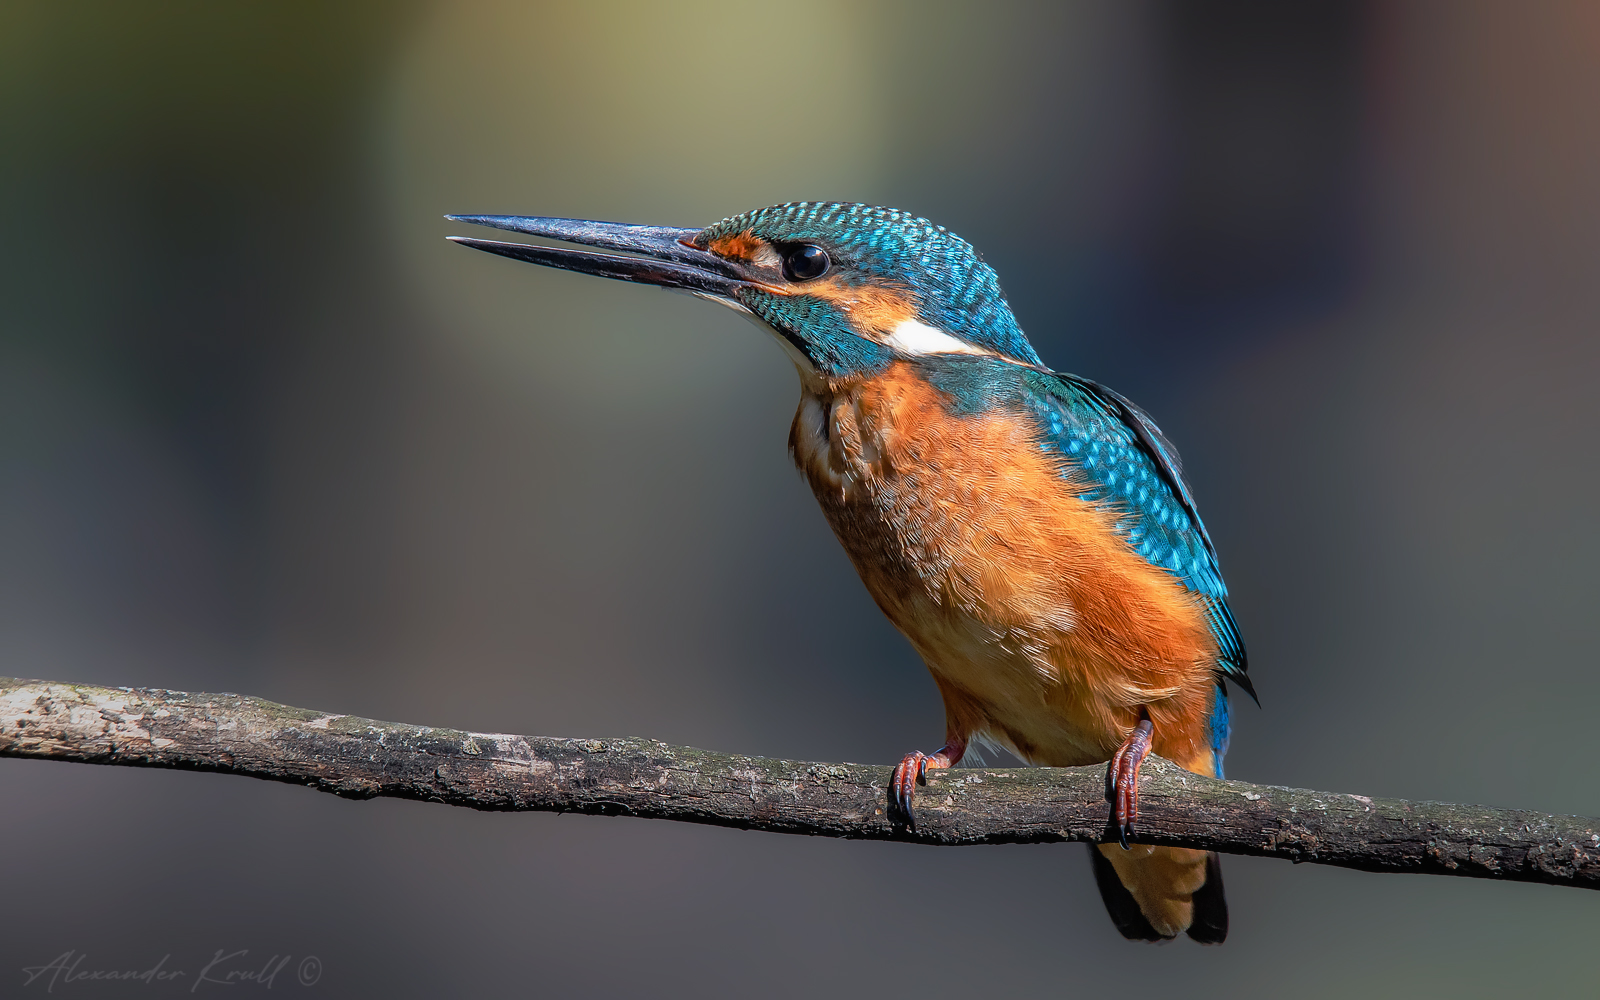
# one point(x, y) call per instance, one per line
point(362, 758)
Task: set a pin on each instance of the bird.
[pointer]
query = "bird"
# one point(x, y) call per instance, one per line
point(1030, 532)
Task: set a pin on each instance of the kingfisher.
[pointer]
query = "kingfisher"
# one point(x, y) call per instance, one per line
point(1030, 532)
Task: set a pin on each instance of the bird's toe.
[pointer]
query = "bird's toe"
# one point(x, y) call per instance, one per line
point(903, 788)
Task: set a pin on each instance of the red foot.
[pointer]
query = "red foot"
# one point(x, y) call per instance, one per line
point(911, 771)
point(1123, 777)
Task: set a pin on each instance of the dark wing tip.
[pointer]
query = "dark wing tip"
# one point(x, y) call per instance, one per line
point(1243, 680)
point(1210, 924)
point(1120, 904)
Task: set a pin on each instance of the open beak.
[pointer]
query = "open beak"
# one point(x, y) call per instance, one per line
point(665, 256)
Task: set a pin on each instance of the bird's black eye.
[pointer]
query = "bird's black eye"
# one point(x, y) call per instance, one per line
point(805, 262)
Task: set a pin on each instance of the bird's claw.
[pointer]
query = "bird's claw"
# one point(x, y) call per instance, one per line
point(1122, 778)
point(913, 771)
point(910, 772)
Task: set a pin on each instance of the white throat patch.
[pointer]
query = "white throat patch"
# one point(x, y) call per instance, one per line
point(914, 337)
point(909, 336)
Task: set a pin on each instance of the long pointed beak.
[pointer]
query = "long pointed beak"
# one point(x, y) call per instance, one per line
point(666, 256)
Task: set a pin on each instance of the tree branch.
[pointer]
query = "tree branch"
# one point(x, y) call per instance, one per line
point(361, 758)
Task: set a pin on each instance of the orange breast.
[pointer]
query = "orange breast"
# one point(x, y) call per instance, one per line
point(1042, 628)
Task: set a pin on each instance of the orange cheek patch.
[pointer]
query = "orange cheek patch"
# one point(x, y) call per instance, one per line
point(871, 308)
point(737, 246)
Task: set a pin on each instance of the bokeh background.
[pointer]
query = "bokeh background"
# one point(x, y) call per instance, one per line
point(263, 430)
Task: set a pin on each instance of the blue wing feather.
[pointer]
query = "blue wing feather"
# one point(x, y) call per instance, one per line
point(1130, 467)
point(1135, 470)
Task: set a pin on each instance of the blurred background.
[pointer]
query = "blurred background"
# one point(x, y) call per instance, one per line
point(263, 430)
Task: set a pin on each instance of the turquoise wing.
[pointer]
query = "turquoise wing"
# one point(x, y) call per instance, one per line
point(1134, 470)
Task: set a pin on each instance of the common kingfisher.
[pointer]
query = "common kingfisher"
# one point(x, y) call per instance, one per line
point(1029, 531)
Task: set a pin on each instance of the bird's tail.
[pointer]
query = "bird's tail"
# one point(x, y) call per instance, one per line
point(1157, 893)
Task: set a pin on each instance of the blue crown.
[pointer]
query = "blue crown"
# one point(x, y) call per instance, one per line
point(957, 292)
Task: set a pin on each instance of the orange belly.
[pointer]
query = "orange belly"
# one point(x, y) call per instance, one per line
point(1044, 630)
